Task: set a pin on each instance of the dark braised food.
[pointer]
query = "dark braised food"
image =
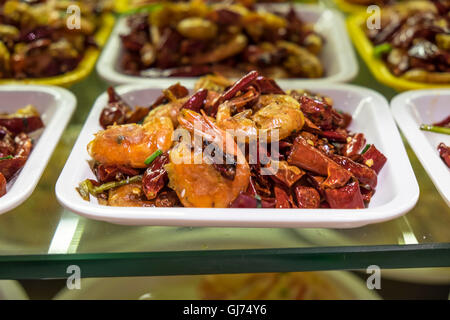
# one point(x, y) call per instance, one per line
point(35, 41)
point(193, 39)
point(15, 143)
point(247, 144)
point(414, 40)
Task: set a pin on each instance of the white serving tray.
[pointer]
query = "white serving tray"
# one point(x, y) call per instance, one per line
point(410, 110)
point(55, 105)
point(397, 190)
point(337, 56)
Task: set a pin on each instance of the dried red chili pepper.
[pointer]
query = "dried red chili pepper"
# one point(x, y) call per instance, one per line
point(374, 159)
point(346, 197)
point(155, 177)
point(354, 146)
point(196, 101)
point(365, 175)
point(444, 152)
point(2, 185)
point(307, 197)
point(281, 198)
point(248, 201)
point(267, 86)
point(22, 124)
point(107, 173)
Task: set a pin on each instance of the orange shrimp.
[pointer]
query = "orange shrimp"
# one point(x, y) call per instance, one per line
point(201, 185)
point(131, 144)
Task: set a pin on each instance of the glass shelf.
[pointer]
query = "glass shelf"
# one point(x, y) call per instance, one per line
point(40, 239)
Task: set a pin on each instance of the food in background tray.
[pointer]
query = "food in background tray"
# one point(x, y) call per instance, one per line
point(192, 39)
point(36, 42)
point(242, 145)
point(414, 40)
point(444, 128)
point(267, 286)
point(15, 142)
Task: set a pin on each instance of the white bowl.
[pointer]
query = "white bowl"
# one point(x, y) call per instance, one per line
point(55, 106)
point(397, 190)
point(337, 56)
point(413, 108)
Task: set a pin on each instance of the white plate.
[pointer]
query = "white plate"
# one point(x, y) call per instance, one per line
point(410, 110)
point(397, 190)
point(55, 106)
point(347, 286)
point(337, 56)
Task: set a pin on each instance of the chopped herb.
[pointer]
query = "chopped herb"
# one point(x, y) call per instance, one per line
point(381, 49)
point(437, 129)
point(86, 187)
point(366, 148)
point(7, 157)
point(115, 184)
point(155, 154)
point(258, 201)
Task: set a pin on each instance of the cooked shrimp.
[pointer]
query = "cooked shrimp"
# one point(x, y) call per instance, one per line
point(131, 144)
point(129, 195)
point(222, 51)
point(201, 185)
point(170, 110)
point(277, 112)
point(301, 61)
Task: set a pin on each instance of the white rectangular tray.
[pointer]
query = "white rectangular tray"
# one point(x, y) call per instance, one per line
point(413, 108)
point(55, 105)
point(397, 190)
point(337, 56)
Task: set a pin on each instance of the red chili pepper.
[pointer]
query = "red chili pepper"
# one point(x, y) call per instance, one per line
point(239, 85)
point(2, 185)
point(155, 176)
point(346, 197)
point(196, 101)
point(374, 159)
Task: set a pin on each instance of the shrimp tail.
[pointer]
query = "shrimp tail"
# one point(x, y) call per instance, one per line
point(199, 124)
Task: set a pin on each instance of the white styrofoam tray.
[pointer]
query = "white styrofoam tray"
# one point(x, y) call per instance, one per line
point(337, 55)
point(55, 105)
point(413, 108)
point(397, 190)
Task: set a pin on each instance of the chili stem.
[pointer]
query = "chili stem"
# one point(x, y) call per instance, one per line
point(437, 129)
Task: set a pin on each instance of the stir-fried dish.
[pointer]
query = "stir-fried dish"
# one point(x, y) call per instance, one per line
point(414, 40)
point(36, 42)
point(192, 39)
point(267, 286)
point(442, 127)
point(246, 144)
point(15, 142)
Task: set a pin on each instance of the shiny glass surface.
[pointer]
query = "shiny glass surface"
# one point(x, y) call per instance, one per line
point(40, 238)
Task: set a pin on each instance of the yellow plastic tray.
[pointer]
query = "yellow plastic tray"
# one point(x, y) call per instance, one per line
point(377, 66)
point(85, 66)
point(348, 7)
